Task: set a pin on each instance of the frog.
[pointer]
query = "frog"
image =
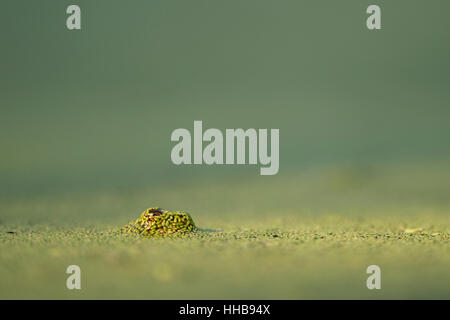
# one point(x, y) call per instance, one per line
point(157, 222)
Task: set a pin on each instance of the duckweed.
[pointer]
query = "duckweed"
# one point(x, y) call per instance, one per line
point(155, 222)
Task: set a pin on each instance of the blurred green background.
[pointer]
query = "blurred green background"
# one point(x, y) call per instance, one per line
point(85, 125)
point(95, 108)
